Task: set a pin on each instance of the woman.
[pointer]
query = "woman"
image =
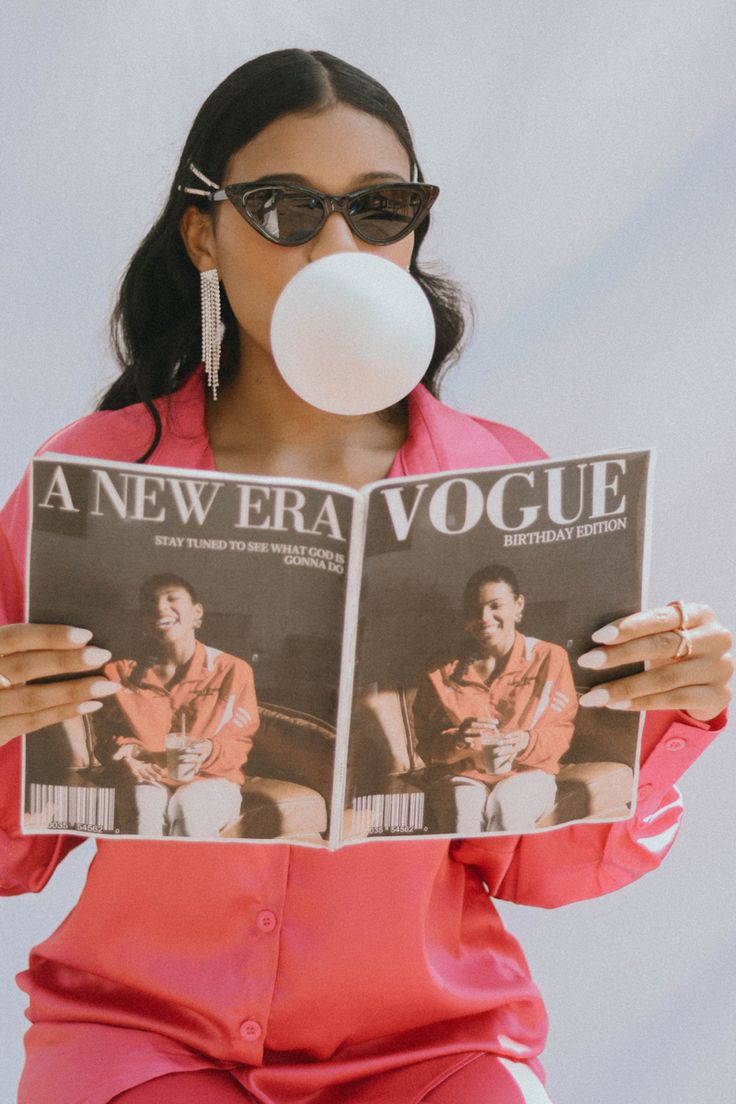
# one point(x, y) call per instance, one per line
point(494, 724)
point(176, 734)
point(263, 972)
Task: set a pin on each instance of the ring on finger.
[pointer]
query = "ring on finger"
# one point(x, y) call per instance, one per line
point(685, 647)
point(679, 605)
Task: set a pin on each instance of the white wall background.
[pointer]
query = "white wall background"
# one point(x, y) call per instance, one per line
point(587, 158)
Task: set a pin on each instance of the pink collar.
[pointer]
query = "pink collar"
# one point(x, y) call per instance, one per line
point(439, 438)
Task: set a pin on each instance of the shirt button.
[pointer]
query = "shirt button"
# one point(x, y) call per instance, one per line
point(266, 920)
point(250, 1030)
point(675, 744)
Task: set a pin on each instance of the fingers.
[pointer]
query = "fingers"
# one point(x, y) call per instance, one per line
point(142, 771)
point(10, 727)
point(26, 666)
point(661, 647)
point(30, 638)
point(513, 743)
point(34, 651)
point(475, 727)
point(674, 686)
point(648, 622)
point(149, 772)
point(687, 668)
point(28, 708)
point(191, 758)
point(701, 702)
point(659, 679)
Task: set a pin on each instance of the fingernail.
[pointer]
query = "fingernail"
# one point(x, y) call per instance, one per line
point(89, 707)
point(79, 636)
point(592, 659)
point(619, 705)
point(597, 696)
point(95, 657)
point(102, 687)
point(606, 635)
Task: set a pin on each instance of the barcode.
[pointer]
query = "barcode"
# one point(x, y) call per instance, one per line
point(375, 814)
point(82, 808)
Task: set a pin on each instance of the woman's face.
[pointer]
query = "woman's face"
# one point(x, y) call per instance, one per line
point(494, 618)
point(170, 615)
point(336, 151)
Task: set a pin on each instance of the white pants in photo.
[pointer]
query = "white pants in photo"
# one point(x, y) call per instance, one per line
point(200, 809)
point(513, 805)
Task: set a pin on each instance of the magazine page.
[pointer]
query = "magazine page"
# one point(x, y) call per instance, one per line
point(480, 590)
point(222, 599)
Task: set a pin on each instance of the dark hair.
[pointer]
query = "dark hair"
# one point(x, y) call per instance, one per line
point(492, 573)
point(154, 583)
point(156, 322)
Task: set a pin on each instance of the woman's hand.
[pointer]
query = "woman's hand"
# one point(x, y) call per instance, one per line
point(47, 651)
point(688, 658)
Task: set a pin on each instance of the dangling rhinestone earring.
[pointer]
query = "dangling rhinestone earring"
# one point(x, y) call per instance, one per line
point(209, 286)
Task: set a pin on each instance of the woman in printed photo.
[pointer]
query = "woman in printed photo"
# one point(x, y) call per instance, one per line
point(176, 735)
point(493, 724)
point(222, 973)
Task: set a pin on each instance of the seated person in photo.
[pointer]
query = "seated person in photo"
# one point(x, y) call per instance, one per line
point(175, 737)
point(493, 724)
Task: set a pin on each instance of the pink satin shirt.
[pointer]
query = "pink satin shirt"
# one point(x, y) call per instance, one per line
point(296, 969)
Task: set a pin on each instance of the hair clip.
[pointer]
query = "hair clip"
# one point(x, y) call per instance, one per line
point(205, 180)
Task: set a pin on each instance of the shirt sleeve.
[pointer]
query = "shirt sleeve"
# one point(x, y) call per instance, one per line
point(431, 724)
point(553, 724)
point(26, 862)
point(558, 867)
point(111, 727)
point(233, 740)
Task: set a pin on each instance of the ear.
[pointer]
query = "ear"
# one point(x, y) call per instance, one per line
point(198, 235)
point(519, 608)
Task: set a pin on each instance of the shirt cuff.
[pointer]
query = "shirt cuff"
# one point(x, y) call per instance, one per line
point(681, 743)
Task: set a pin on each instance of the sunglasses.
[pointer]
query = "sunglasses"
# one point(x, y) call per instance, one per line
point(289, 214)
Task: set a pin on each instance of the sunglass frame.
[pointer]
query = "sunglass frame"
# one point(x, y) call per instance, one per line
point(235, 193)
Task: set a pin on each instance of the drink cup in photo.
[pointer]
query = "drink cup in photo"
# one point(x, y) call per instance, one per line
point(176, 743)
point(496, 761)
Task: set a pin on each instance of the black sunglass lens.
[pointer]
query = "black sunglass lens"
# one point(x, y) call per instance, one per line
point(385, 213)
point(286, 216)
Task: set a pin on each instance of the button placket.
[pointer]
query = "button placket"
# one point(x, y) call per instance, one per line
point(253, 981)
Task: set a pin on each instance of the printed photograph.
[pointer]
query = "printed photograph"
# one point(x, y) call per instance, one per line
point(465, 717)
point(226, 649)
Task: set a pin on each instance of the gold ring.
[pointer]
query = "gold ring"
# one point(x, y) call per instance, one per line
point(5, 683)
point(679, 605)
point(685, 647)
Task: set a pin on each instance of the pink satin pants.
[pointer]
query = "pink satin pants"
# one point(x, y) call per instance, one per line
point(483, 1080)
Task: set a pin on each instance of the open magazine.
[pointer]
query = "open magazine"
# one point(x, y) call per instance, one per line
point(304, 663)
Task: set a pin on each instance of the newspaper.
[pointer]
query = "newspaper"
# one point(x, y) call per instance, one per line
point(301, 662)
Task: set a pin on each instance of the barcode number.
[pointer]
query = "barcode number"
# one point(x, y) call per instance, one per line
point(82, 808)
point(376, 814)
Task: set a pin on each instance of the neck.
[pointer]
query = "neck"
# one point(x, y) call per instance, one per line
point(497, 653)
point(259, 425)
point(179, 653)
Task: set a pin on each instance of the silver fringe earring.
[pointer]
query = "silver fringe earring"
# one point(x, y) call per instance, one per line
point(209, 284)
